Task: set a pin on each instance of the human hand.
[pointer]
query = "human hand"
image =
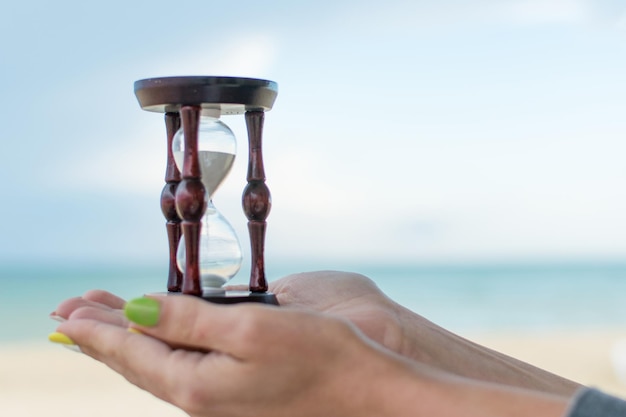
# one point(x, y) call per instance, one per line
point(358, 299)
point(348, 295)
point(241, 360)
point(251, 359)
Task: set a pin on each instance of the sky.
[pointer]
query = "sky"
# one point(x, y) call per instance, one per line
point(403, 131)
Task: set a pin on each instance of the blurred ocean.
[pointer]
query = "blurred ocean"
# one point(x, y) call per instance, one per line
point(466, 299)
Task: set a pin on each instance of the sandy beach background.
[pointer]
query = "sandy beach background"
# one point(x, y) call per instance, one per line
point(585, 356)
point(47, 380)
point(38, 379)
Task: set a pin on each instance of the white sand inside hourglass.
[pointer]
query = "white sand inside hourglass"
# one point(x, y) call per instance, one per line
point(213, 165)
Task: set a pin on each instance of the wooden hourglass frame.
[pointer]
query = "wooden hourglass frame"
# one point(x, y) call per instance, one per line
point(183, 200)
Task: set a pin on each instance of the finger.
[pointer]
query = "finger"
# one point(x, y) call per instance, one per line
point(106, 298)
point(114, 317)
point(65, 309)
point(140, 359)
point(193, 322)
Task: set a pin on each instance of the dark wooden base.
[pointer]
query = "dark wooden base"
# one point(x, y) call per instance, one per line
point(234, 297)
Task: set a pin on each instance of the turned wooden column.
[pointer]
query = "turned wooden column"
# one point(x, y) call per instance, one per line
point(191, 200)
point(168, 205)
point(256, 200)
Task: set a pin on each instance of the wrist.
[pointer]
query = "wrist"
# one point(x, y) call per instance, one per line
point(416, 389)
point(425, 342)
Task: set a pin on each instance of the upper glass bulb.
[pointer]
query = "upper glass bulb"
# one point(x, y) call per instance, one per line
point(217, 147)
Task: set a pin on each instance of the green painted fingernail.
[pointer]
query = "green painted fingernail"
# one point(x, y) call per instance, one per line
point(143, 311)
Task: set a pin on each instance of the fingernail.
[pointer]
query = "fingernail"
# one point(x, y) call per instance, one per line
point(60, 338)
point(133, 330)
point(143, 311)
point(55, 316)
point(73, 348)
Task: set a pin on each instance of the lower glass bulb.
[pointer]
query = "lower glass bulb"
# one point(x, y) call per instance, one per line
point(220, 251)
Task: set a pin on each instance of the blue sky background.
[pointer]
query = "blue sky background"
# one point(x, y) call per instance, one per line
point(423, 131)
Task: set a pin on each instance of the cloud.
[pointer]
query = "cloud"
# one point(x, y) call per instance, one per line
point(620, 22)
point(538, 11)
point(409, 18)
point(247, 54)
point(136, 165)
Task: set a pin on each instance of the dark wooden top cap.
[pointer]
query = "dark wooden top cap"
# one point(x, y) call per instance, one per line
point(229, 95)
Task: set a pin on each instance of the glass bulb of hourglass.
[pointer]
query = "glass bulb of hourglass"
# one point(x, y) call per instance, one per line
point(220, 251)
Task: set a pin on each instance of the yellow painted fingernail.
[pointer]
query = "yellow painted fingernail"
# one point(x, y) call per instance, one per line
point(60, 338)
point(133, 330)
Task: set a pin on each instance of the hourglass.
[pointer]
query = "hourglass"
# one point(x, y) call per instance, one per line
point(204, 252)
